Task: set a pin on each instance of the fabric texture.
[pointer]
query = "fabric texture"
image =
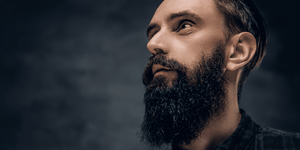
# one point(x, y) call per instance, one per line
point(251, 136)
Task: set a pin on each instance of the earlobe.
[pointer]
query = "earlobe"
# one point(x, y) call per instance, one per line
point(241, 51)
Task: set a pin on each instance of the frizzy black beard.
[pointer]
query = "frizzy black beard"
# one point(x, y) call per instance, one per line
point(178, 114)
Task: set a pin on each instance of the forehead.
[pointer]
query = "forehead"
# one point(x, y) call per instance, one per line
point(203, 8)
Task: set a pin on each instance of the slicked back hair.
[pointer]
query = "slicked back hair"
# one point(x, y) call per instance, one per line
point(243, 16)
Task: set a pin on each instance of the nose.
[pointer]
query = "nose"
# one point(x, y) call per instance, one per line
point(159, 43)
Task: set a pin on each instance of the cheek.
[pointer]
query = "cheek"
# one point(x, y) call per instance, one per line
point(189, 52)
point(190, 49)
point(188, 55)
point(208, 39)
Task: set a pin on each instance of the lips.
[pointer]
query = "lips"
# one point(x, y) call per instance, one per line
point(157, 68)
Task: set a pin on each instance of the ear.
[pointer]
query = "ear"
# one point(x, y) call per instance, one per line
point(242, 48)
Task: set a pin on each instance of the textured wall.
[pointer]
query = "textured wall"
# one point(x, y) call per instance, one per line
point(70, 73)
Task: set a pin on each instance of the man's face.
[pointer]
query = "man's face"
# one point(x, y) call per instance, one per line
point(184, 78)
point(185, 30)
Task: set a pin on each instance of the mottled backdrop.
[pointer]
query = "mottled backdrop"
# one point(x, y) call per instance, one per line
point(70, 73)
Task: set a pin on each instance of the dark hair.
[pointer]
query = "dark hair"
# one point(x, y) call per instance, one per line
point(244, 16)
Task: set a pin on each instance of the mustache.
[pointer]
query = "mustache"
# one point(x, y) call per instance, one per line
point(160, 59)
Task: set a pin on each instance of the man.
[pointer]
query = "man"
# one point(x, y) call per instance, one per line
point(202, 52)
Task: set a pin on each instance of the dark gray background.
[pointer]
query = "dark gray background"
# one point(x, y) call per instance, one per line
point(71, 70)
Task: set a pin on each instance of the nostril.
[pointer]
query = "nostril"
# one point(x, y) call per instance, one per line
point(158, 50)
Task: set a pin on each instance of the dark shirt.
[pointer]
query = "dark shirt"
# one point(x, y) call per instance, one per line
point(251, 136)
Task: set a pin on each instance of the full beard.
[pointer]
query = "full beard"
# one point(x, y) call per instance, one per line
point(176, 114)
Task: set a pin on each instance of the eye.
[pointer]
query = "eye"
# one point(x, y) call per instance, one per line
point(185, 27)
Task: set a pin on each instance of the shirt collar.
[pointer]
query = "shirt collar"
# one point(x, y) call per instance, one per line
point(242, 137)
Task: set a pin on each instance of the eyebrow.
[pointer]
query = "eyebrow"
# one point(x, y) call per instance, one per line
point(174, 16)
point(184, 14)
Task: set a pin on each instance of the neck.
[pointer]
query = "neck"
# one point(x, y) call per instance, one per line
point(219, 128)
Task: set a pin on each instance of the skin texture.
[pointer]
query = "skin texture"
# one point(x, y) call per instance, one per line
point(185, 30)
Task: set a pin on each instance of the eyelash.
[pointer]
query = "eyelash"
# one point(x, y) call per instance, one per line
point(150, 37)
point(183, 23)
point(180, 27)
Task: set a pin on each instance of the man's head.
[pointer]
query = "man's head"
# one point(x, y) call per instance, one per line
point(197, 51)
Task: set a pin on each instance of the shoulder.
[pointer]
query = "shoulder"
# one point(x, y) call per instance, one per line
point(269, 138)
point(267, 131)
